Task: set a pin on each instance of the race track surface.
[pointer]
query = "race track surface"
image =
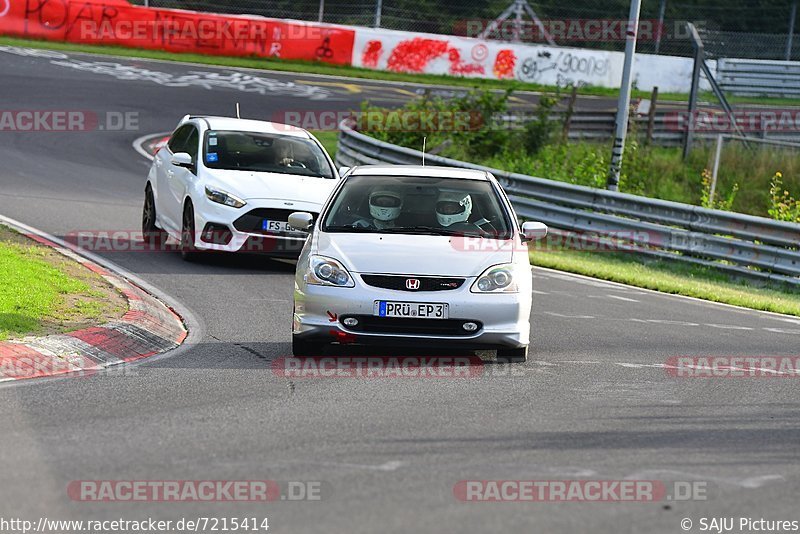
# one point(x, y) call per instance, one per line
point(593, 402)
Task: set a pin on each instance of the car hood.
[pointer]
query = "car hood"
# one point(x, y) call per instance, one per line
point(412, 254)
point(268, 185)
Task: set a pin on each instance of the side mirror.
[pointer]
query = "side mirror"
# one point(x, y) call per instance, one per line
point(182, 159)
point(343, 170)
point(301, 220)
point(533, 230)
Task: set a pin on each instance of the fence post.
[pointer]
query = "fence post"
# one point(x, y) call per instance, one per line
point(378, 9)
point(321, 10)
point(624, 101)
point(714, 172)
point(699, 58)
point(570, 110)
point(651, 117)
point(660, 28)
point(790, 37)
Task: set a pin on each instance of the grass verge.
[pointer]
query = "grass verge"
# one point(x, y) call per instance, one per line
point(670, 277)
point(43, 292)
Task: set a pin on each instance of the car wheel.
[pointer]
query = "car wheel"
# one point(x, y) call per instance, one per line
point(188, 250)
point(152, 234)
point(303, 347)
point(519, 355)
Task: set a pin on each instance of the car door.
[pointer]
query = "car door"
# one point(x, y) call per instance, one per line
point(163, 164)
point(181, 178)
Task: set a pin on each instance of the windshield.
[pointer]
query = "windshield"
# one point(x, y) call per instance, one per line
point(262, 152)
point(418, 205)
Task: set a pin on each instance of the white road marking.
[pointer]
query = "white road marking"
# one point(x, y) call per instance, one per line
point(783, 331)
point(728, 326)
point(668, 474)
point(536, 292)
point(621, 298)
point(664, 321)
point(554, 314)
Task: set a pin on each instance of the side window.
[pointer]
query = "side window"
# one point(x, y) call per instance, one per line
point(192, 143)
point(178, 140)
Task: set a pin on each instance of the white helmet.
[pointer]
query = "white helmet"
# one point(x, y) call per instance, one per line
point(385, 205)
point(453, 207)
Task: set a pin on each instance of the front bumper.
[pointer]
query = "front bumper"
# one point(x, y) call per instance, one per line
point(503, 319)
point(220, 228)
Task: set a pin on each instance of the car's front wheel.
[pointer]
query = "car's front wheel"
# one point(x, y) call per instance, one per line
point(303, 347)
point(152, 234)
point(188, 249)
point(518, 355)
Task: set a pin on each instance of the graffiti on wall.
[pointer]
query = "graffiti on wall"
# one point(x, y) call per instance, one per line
point(564, 67)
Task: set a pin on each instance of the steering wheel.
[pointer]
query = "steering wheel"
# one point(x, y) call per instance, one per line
point(289, 162)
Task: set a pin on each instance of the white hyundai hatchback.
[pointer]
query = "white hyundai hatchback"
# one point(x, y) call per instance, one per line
point(230, 184)
point(415, 256)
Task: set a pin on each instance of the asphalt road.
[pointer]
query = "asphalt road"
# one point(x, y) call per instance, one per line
point(592, 403)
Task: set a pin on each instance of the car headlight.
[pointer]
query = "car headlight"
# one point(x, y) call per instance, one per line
point(324, 271)
point(496, 279)
point(223, 197)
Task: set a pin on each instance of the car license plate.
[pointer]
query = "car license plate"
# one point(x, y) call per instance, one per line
point(274, 226)
point(417, 310)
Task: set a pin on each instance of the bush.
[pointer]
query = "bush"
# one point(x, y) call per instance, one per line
point(783, 207)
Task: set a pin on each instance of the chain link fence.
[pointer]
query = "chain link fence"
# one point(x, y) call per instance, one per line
point(734, 28)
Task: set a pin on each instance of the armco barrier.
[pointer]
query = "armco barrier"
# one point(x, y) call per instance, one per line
point(753, 77)
point(116, 22)
point(744, 245)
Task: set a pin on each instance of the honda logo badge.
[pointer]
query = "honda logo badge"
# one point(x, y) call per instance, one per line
point(412, 283)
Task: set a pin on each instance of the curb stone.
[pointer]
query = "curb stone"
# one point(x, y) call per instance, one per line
point(148, 328)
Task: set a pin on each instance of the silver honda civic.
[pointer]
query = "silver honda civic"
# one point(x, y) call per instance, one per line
point(415, 256)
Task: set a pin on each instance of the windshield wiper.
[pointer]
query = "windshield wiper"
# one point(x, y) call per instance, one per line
point(423, 230)
point(349, 228)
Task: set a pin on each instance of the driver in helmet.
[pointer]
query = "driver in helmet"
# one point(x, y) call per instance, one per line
point(453, 207)
point(385, 207)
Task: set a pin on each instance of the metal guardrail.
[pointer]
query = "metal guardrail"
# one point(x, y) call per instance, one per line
point(759, 77)
point(743, 245)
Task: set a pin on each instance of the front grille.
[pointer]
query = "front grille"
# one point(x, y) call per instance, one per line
point(391, 325)
point(251, 221)
point(426, 283)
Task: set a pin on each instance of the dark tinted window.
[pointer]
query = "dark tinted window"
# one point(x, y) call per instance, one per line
point(262, 152)
point(178, 140)
point(192, 144)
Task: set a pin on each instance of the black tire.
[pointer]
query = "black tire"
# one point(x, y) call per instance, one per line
point(152, 234)
point(303, 347)
point(188, 250)
point(519, 355)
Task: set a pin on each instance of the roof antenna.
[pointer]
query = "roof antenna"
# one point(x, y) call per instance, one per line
point(424, 140)
point(237, 111)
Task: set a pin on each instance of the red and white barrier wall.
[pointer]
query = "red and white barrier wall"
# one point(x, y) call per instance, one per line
point(117, 22)
point(547, 65)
